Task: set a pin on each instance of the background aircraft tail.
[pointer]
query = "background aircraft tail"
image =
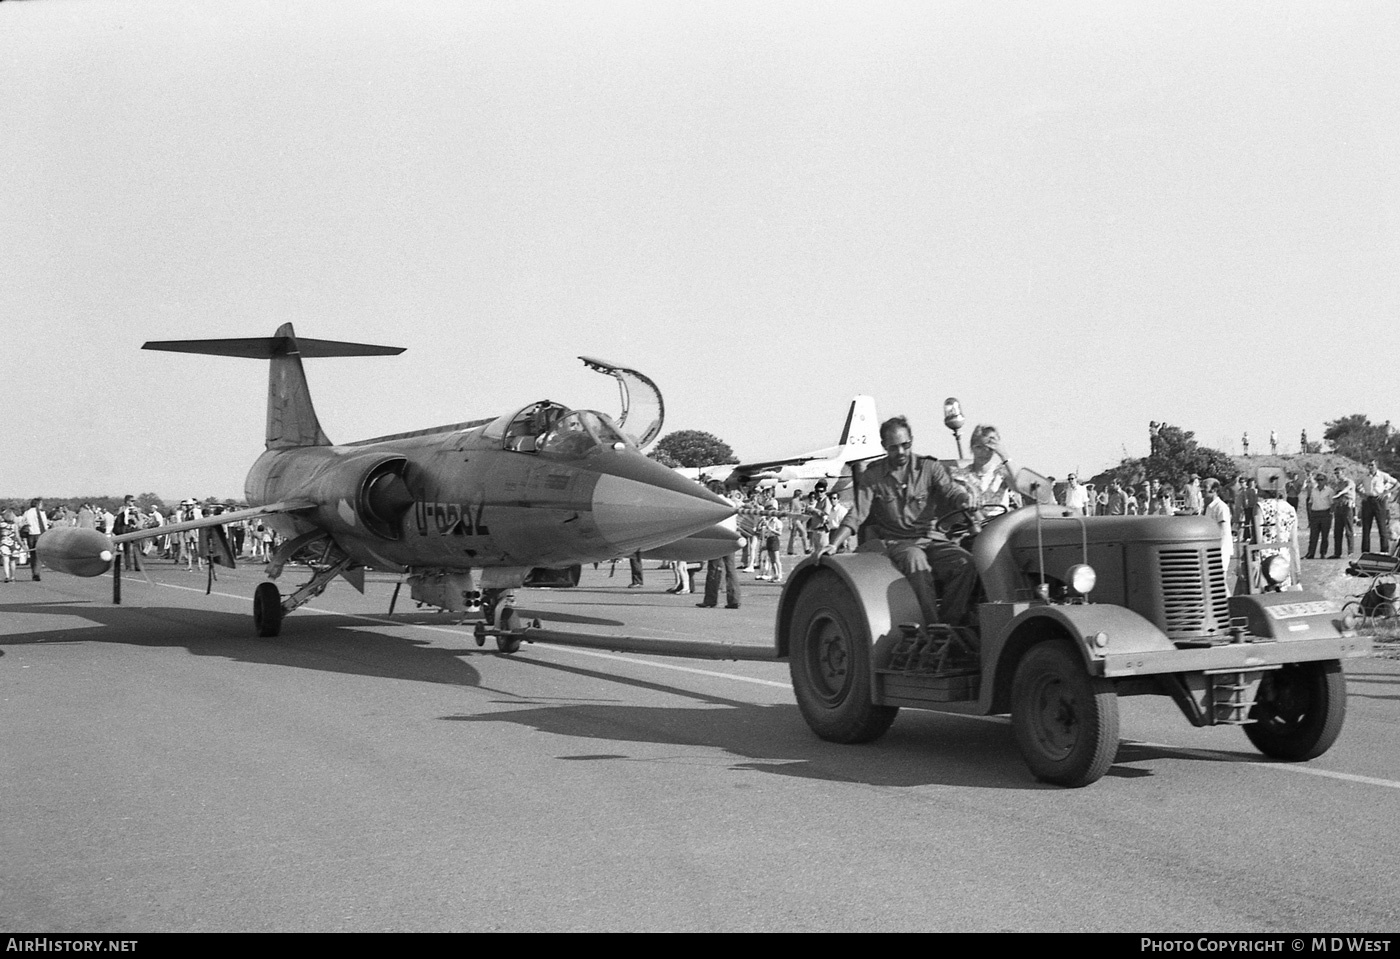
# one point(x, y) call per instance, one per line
point(862, 429)
point(291, 418)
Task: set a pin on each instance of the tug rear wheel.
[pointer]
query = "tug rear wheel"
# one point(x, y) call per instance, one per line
point(267, 610)
point(829, 660)
point(1298, 711)
point(1065, 721)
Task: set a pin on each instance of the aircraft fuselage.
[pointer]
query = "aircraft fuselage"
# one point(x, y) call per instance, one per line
point(461, 500)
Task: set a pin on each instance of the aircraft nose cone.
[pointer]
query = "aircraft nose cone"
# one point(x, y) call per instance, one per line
point(648, 508)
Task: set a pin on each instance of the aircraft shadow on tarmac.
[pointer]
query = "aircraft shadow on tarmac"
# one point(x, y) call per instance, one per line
point(922, 748)
point(321, 643)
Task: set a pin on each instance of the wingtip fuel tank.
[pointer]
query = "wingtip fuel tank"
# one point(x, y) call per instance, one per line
point(75, 550)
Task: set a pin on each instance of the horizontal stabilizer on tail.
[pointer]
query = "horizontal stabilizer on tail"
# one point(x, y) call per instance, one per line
point(266, 347)
point(291, 418)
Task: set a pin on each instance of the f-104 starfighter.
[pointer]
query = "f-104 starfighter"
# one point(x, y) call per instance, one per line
point(465, 512)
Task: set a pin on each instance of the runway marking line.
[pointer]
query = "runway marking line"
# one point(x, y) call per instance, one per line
point(1182, 750)
point(1261, 764)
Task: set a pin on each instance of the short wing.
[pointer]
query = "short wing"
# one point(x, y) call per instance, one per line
point(774, 469)
point(221, 519)
point(766, 466)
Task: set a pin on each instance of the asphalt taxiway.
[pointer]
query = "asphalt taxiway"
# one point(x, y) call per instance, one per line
point(165, 769)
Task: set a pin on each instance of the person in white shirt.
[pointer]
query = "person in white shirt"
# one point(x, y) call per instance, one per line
point(1076, 496)
point(1195, 501)
point(1343, 512)
point(989, 477)
point(158, 542)
point(770, 533)
point(1277, 522)
point(1317, 500)
point(1219, 513)
point(189, 539)
point(1377, 489)
point(34, 524)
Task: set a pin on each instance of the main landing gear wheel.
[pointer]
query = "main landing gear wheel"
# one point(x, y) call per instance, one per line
point(1065, 721)
point(267, 610)
point(829, 660)
point(1298, 711)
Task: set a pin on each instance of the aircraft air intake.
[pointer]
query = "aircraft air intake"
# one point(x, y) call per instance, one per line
point(384, 498)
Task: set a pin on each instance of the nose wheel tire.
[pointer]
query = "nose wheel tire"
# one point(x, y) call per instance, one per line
point(829, 660)
point(509, 621)
point(1298, 711)
point(267, 610)
point(1065, 721)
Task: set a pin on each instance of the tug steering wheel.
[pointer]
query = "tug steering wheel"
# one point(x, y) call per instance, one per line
point(961, 522)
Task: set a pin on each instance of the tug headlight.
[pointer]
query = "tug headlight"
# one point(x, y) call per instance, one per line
point(1082, 578)
point(1275, 569)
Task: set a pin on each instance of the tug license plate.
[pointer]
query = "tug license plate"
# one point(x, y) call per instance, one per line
point(1294, 610)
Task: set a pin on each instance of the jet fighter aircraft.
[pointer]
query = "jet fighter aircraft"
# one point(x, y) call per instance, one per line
point(525, 498)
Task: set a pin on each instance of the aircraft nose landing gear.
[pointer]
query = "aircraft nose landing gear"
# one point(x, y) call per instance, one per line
point(509, 629)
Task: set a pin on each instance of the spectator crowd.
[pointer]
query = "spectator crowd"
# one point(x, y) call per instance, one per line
point(1329, 508)
point(21, 525)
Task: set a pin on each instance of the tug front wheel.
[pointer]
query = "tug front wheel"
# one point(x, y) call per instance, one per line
point(829, 660)
point(267, 610)
point(1065, 721)
point(1298, 711)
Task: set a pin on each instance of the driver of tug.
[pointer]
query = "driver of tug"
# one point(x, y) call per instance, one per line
point(899, 501)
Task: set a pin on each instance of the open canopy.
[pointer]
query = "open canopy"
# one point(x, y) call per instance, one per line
point(643, 410)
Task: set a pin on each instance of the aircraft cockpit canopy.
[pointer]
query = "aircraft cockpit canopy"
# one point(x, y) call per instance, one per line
point(580, 432)
point(643, 410)
point(551, 428)
point(520, 431)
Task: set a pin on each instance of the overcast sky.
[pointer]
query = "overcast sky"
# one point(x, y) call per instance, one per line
point(1076, 217)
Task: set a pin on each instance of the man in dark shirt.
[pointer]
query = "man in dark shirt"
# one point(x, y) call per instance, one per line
point(902, 496)
point(129, 521)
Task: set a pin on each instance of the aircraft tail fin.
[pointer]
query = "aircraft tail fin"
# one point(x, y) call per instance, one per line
point(862, 429)
point(291, 418)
